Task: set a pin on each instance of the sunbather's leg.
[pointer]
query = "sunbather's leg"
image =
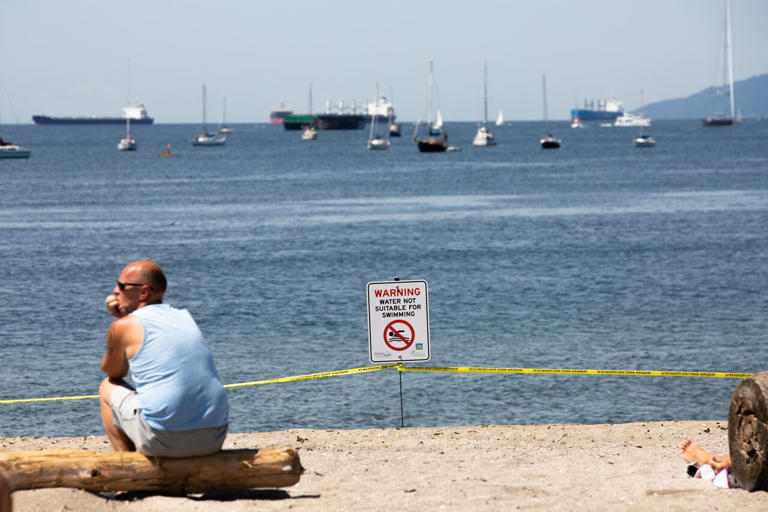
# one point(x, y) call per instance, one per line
point(693, 452)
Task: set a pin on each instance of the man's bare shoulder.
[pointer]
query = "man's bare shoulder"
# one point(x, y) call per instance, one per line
point(126, 332)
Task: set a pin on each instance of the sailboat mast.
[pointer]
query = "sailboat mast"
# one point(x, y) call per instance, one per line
point(485, 93)
point(310, 99)
point(204, 128)
point(544, 94)
point(374, 113)
point(429, 91)
point(729, 53)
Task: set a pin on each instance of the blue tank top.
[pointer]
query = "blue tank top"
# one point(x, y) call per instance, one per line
point(175, 378)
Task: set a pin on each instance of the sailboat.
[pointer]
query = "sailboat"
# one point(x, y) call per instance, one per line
point(377, 141)
point(644, 140)
point(309, 131)
point(436, 140)
point(127, 144)
point(11, 150)
point(719, 118)
point(224, 128)
point(394, 126)
point(500, 119)
point(206, 139)
point(548, 141)
point(484, 137)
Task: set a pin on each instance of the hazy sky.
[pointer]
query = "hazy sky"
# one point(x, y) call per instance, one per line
point(88, 57)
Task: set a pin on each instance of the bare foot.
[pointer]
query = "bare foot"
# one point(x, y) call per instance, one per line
point(692, 452)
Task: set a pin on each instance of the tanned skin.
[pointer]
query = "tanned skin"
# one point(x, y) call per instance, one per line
point(144, 285)
point(693, 452)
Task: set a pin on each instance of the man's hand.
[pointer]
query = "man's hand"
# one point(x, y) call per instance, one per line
point(112, 306)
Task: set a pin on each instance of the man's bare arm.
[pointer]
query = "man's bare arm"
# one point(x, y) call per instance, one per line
point(124, 337)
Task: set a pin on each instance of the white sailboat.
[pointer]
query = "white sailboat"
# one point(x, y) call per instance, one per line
point(436, 140)
point(643, 140)
point(719, 118)
point(484, 137)
point(206, 139)
point(547, 141)
point(224, 128)
point(500, 119)
point(376, 140)
point(11, 150)
point(309, 132)
point(394, 126)
point(127, 143)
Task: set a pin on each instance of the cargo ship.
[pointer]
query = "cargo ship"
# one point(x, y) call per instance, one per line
point(344, 118)
point(279, 113)
point(328, 121)
point(136, 113)
point(598, 110)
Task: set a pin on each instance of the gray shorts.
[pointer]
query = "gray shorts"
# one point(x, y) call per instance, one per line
point(126, 415)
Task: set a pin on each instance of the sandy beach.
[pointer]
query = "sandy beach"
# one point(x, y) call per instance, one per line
point(635, 466)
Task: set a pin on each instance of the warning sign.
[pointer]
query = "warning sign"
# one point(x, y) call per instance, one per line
point(398, 321)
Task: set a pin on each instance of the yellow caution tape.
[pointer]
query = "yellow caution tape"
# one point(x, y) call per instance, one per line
point(574, 371)
point(53, 399)
point(447, 369)
point(323, 375)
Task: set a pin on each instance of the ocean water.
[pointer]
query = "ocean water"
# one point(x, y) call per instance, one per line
point(597, 255)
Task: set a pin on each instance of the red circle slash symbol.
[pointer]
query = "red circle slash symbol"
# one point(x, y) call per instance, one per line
point(399, 331)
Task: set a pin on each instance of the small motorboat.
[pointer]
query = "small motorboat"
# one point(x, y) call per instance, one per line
point(309, 133)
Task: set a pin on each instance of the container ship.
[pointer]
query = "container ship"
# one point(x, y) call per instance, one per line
point(279, 113)
point(342, 120)
point(136, 113)
point(598, 110)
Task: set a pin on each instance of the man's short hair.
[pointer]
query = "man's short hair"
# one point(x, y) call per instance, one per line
point(156, 279)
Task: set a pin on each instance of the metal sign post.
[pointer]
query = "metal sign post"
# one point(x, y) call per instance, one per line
point(398, 324)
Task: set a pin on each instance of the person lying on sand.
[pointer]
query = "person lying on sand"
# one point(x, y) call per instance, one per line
point(693, 452)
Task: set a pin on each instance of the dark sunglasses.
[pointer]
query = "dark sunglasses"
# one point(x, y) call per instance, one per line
point(122, 286)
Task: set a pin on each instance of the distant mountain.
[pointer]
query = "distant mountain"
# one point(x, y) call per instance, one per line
point(751, 97)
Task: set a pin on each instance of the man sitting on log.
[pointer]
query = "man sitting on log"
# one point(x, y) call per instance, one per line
point(179, 407)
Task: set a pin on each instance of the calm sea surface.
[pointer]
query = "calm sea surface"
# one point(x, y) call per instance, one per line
point(598, 255)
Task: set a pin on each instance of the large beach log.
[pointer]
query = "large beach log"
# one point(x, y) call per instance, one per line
point(131, 471)
point(748, 433)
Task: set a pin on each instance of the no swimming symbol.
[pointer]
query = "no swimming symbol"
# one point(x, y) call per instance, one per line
point(399, 335)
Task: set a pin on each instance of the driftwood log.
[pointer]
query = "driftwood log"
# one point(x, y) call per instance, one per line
point(130, 471)
point(748, 433)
